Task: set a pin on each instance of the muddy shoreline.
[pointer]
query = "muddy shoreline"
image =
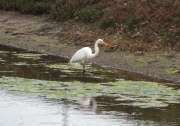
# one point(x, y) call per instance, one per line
point(42, 34)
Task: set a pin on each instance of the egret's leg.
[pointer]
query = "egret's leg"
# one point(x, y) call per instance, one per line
point(83, 67)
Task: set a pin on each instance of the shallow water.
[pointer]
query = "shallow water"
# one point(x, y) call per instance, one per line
point(38, 89)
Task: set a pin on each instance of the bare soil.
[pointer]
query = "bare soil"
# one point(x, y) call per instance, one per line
point(40, 33)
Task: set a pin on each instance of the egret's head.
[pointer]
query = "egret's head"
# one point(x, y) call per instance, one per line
point(101, 41)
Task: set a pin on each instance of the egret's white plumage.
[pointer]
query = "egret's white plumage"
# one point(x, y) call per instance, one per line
point(85, 53)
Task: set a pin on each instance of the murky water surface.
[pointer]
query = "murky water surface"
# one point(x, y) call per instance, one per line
point(38, 89)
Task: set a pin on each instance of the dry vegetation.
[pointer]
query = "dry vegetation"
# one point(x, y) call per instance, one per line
point(133, 25)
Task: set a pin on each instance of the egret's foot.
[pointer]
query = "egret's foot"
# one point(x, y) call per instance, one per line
point(91, 72)
point(84, 71)
point(95, 73)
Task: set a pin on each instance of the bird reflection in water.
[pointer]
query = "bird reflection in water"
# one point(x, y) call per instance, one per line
point(88, 102)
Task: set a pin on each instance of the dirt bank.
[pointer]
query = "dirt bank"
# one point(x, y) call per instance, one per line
point(39, 33)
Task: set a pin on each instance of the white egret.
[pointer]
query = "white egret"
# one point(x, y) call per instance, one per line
point(84, 54)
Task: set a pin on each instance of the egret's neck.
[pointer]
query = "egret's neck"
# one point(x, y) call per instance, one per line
point(96, 48)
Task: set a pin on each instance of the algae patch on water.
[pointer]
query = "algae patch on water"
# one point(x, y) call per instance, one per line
point(65, 67)
point(29, 55)
point(68, 66)
point(145, 94)
point(132, 93)
point(49, 89)
point(71, 68)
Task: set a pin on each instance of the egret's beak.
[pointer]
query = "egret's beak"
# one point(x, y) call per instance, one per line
point(104, 43)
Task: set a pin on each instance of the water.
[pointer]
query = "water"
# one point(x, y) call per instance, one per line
point(38, 89)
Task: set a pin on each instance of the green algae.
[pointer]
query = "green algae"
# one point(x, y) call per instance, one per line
point(3, 52)
point(129, 56)
point(20, 63)
point(29, 55)
point(172, 71)
point(132, 93)
point(144, 58)
point(1, 60)
point(145, 94)
point(69, 68)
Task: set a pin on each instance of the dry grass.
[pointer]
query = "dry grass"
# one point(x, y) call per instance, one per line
point(131, 25)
